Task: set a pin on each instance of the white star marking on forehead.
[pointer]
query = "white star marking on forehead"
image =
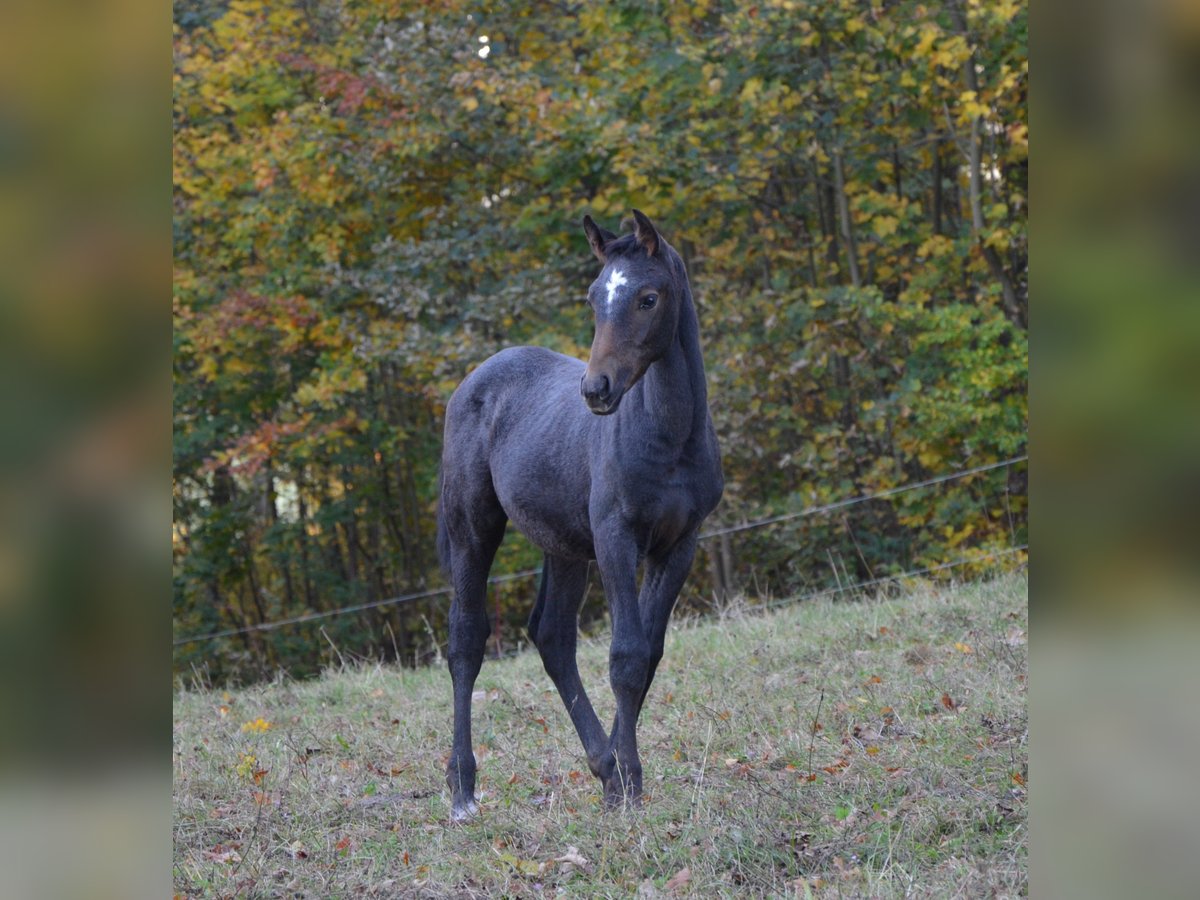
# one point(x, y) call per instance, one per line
point(615, 280)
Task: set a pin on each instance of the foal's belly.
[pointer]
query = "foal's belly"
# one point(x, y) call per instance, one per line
point(558, 533)
point(545, 495)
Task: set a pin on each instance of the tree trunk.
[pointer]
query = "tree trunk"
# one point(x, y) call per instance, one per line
point(937, 186)
point(1012, 307)
point(843, 204)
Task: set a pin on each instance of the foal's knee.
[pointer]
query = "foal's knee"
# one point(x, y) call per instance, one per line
point(627, 666)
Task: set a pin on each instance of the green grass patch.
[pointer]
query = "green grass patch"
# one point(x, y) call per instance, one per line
point(867, 747)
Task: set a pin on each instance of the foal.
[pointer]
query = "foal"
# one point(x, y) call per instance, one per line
point(624, 476)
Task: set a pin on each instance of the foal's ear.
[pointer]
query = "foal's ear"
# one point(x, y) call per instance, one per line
point(597, 237)
point(645, 233)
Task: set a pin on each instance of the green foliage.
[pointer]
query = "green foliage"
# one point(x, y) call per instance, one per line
point(371, 198)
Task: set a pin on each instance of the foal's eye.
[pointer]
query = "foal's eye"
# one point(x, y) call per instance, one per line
point(648, 301)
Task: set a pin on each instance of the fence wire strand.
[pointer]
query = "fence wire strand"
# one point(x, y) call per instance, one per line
point(842, 504)
point(732, 529)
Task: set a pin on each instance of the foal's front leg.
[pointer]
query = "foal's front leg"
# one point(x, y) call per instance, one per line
point(663, 579)
point(628, 664)
point(554, 626)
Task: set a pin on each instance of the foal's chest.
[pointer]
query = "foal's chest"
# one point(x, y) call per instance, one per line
point(667, 504)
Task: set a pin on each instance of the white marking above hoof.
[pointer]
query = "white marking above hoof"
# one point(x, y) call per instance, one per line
point(462, 814)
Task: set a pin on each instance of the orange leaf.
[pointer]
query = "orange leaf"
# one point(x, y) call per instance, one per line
point(1018, 778)
point(948, 701)
point(874, 679)
point(679, 880)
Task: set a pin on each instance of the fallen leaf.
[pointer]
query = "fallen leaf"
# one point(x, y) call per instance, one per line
point(572, 860)
point(296, 850)
point(963, 648)
point(948, 701)
point(522, 866)
point(258, 726)
point(919, 655)
point(679, 880)
point(874, 679)
point(223, 854)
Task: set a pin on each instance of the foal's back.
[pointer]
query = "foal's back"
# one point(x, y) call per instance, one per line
point(517, 436)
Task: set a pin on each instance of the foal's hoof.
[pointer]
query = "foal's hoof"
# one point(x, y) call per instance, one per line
point(616, 800)
point(461, 813)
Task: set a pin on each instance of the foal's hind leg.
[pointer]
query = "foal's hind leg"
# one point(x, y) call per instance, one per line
point(553, 627)
point(469, 629)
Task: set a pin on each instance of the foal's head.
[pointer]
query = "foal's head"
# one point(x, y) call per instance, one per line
point(636, 301)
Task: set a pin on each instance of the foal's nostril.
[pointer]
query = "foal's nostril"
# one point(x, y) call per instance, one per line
point(594, 388)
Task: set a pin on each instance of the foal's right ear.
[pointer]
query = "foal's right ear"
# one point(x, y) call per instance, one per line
point(597, 237)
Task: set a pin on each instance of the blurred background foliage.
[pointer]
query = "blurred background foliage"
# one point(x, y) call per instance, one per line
point(371, 198)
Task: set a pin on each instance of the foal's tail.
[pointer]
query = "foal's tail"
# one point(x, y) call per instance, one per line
point(443, 534)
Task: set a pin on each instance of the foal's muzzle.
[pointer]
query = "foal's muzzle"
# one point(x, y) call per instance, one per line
point(598, 394)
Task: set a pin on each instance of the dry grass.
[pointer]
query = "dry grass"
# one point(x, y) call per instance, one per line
point(912, 781)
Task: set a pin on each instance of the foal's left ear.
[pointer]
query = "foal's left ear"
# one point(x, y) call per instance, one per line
point(645, 232)
point(597, 237)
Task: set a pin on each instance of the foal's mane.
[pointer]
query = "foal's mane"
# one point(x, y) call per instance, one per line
point(627, 245)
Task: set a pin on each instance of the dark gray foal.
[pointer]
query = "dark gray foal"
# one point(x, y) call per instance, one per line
point(624, 476)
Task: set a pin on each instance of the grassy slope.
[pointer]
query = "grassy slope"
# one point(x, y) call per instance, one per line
point(919, 760)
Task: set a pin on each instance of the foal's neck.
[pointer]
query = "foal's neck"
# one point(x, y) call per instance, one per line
point(673, 393)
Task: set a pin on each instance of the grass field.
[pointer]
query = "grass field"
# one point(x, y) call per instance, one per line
point(867, 747)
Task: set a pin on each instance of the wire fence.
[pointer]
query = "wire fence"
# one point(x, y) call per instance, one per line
point(523, 646)
point(732, 529)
